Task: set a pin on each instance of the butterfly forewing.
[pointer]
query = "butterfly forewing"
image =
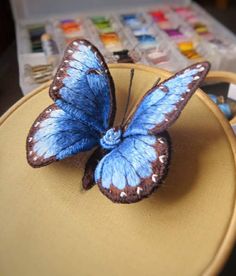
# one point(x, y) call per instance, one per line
point(84, 81)
point(162, 105)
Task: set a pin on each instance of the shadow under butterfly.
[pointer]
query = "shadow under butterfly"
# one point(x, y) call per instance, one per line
point(129, 161)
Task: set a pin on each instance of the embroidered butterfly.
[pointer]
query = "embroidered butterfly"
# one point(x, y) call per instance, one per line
point(130, 161)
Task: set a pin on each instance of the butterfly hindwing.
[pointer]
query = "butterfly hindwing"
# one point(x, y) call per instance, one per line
point(56, 135)
point(88, 178)
point(135, 168)
point(162, 105)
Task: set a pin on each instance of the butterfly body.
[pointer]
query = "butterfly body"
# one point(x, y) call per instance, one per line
point(129, 161)
point(111, 139)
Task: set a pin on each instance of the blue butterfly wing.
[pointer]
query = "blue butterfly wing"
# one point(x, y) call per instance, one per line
point(135, 168)
point(138, 165)
point(84, 107)
point(162, 105)
point(84, 87)
point(56, 135)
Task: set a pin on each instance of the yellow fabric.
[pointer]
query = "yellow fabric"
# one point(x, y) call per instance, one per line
point(48, 226)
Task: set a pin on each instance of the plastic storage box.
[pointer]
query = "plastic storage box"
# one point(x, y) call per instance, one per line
point(164, 34)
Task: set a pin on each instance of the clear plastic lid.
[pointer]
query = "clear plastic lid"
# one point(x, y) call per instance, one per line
point(31, 9)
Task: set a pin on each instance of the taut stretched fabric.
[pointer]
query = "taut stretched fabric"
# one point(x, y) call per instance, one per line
point(50, 227)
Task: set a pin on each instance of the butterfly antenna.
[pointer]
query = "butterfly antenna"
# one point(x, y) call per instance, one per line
point(129, 93)
point(156, 83)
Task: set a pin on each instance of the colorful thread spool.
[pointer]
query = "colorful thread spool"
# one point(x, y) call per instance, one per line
point(200, 28)
point(146, 40)
point(123, 56)
point(110, 38)
point(38, 73)
point(185, 46)
point(156, 57)
point(174, 33)
point(225, 108)
point(228, 106)
point(132, 21)
point(158, 16)
point(111, 41)
point(188, 50)
point(102, 24)
point(69, 26)
point(145, 30)
point(50, 49)
point(35, 33)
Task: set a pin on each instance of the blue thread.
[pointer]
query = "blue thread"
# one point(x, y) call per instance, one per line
point(85, 89)
point(81, 115)
point(214, 98)
point(111, 139)
point(158, 103)
point(88, 90)
point(85, 107)
point(225, 108)
point(61, 135)
point(128, 163)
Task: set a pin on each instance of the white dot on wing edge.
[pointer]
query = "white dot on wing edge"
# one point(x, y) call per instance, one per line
point(187, 70)
point(75, 43)
point(139, 190)
point(123, 194)
point(154, 177)
point(162, 158)
point(201, 69)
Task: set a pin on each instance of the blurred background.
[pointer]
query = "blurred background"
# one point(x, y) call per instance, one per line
point(10, 91)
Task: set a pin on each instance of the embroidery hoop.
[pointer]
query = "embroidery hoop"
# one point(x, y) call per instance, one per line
point(35, 196)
